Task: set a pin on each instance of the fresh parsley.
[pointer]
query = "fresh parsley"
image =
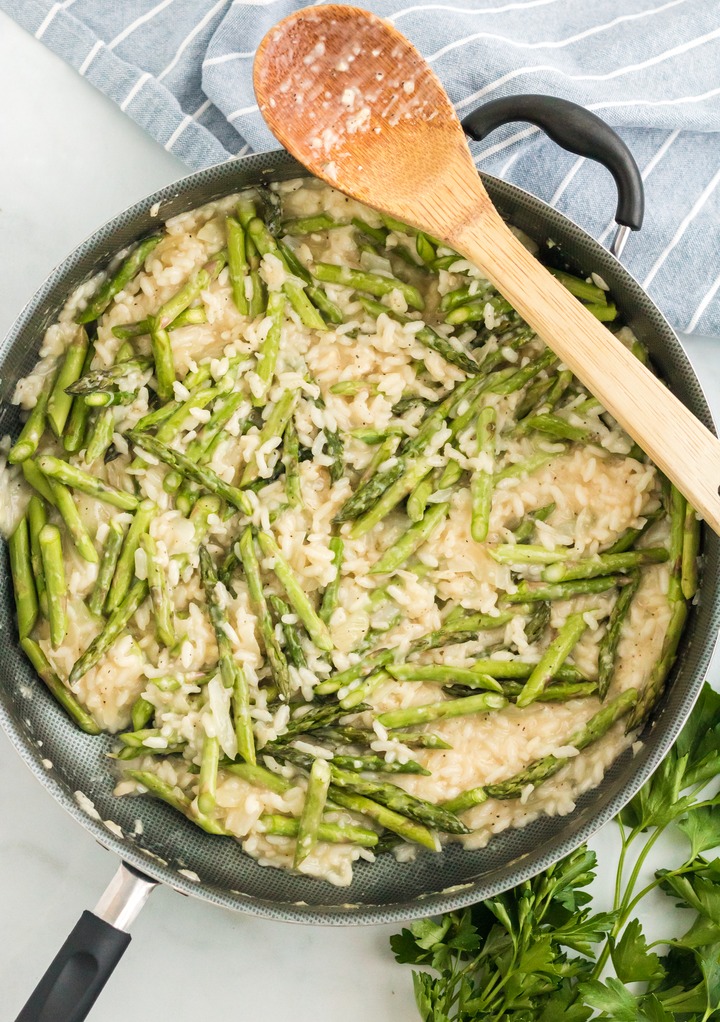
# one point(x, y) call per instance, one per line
point(538, 953)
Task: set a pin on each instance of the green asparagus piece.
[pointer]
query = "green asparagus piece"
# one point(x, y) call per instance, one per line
point(233, 676)
point(114, 627)
point(142, 713)
point(604, 564)
point(207, 781)
point(159, 596)
point(60, 402)
point(370, 283)
point(527, 593)
point(312, 224)
point(56, 588)
point(484, 702)
point(378, 765)
point(418, 499)
point(106, 571)
point(628, 539)
point(100, 436)
point(237, 263)
point(526, 553)
point(109, 399)
point(21, 567)
point(423, 739)
point(275, 655)
point(537, 624)
point(444, 674)
point(294, 652)
point(77, 479)
point(553, 658)
point(411, 541)
point(203, 476)
point(259, 776)
point(356, 694)
point(388, 818)
point(274, 426)
point(73, 522)
point(125, 568)
point(581, 288)
point(127, 270)
point(521, 377)
point(315, 627)
point(100, 380)
point(559, 693)
point(651, 692)
point(330, 596)
point(556, 427)
point(607, 650)
point(606, 312)
point(193, 316)
point(332, 833)
point(474, 311)
point(59, 691)
point(290, 459)
point(315, 800)
point(466, 800)
point(31, 434)
point(175, 798)
point(268, 353)
point(524, 531)
point(527, 467)
point(375, 234)
point(79, 413)
point(481, 487)
point(395, 798)
point(297, 295)
point(36, 518)
point(690, 552)
point(35, 478)
point(542, 769)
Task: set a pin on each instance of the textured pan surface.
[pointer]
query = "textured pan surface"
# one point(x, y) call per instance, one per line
point(384, 891)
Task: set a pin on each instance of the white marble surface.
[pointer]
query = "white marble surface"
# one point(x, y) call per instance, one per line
point(69, 160)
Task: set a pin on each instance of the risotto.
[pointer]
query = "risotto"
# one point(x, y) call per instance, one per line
point(314, 524)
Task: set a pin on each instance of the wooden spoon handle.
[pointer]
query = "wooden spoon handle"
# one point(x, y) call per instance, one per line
point(679, 444)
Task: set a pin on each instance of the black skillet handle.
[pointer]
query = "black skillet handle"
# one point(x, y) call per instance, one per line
point(577, 130)
point(85, 962)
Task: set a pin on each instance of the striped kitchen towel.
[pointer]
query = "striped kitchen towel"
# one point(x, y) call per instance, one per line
point(182, 70)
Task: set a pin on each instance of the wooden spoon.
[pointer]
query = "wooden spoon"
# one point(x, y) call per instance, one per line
point(356, 103)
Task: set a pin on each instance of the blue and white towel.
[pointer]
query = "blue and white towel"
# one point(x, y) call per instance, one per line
point(182, 70)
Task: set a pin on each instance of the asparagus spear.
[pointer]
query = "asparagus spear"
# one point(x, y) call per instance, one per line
point(294, 652)
point(203, 476)
point(553, 658)
point(526, 593)
point(484, 702)
point(276, 657)
point(36, 518)
point(142, 713)
point(312, 224)
point(237, 263)
point(651, 692)
point(54, 570)
point(526, 553)
point(60, 692)
point(315, 799)
point(79, 413)
point(537, 625)
point(100, 380)
point(604, 564)
point(274, 426)
point(35, 478)
point(26, 600)
point(330, 596)
point(73, 522)
point(559, 693)
point(270, 347)
point(259, 776)
point(125, 568)
point(159, 596)
point(193, 316)
point(386, 817)
point(607, 650)
point(524, 531)
point(444, 674)
point(59, 401)
point(31, 434)
point(315, 627)
point(521, 377)
point(472, 312)
point(127, 270)
point(557, 427)
point(106, 571)
point(114, 627)
point(231, 671)
point(370, 283)
point(77, 479)
point(582, 289)
point(690, 552)
point(332, 833)
point(542, 769)
point(100, 437)
point(628, 539)
point(411, 541)
point(466, 800)
point(175, 798)
point(481, 487)
point(378, 765)
point(395, 798)
point(290, 459)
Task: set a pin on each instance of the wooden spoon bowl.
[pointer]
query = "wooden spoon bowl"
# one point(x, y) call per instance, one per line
point(357, 104)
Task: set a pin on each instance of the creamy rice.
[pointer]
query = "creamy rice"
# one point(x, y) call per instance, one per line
point(598, 488)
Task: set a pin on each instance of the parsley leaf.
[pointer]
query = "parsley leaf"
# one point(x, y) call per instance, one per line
point(631, 958)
